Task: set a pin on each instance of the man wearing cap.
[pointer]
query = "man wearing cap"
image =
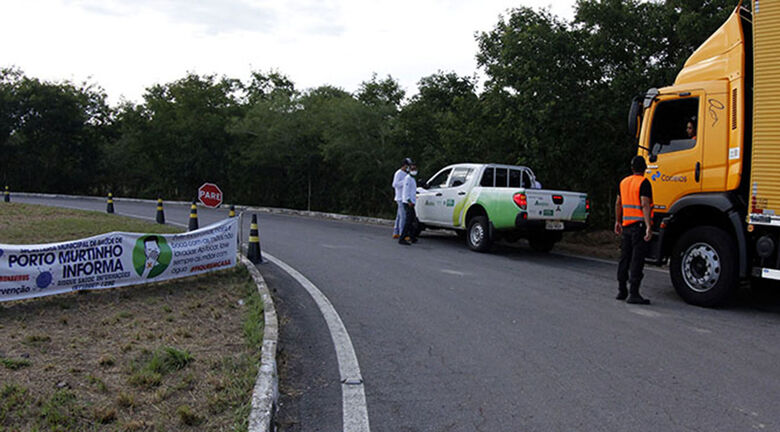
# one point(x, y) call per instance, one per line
point(633, 221)
point(398, 187)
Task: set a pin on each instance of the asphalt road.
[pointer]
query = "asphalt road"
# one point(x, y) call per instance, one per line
point(452, 340)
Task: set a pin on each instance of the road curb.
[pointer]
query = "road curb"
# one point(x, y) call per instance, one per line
point(266, 391)
point(320, 215)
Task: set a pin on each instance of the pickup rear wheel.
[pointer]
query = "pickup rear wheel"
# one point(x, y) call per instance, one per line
point(478, 234)
point(703, 266)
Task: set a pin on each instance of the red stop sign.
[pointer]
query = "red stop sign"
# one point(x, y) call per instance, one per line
point(210, 195)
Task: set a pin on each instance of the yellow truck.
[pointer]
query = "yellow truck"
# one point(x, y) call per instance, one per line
point(712, 142)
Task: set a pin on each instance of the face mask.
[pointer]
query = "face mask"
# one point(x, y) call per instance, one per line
point(414, 172)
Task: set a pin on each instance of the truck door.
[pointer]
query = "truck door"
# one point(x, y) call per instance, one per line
point(675, 142)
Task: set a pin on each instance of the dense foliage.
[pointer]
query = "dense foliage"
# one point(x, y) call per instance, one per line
point(555, 98)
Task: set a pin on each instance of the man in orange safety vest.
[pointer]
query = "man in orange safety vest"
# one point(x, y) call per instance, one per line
point(634, 222)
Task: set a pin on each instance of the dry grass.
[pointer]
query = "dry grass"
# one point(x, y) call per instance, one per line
point(179, 355)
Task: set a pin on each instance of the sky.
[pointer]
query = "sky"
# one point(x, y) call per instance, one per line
point(126, 46)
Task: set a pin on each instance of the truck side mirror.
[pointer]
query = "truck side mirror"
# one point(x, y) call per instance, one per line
point(633, 116)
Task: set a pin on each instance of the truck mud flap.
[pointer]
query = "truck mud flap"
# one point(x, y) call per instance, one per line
point(654, 254)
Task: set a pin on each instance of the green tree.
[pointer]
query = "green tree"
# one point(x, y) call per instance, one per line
point(51, 134)
point(443, 123)
point(178, 137)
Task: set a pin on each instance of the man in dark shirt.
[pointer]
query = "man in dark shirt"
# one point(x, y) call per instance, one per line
point(633, 221)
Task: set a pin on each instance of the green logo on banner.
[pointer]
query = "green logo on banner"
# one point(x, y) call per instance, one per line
point(151, 256)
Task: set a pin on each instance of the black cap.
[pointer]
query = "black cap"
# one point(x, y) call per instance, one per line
point(407, 161)
point(638, 164)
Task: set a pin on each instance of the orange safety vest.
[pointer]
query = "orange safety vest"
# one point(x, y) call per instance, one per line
point(630, 200)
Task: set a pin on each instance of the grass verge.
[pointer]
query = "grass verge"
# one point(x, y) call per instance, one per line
point(179, 355)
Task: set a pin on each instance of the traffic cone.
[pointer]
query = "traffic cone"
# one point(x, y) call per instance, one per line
point(110, 203)
point(253, 252)
point(193, 217)
point(160, 213)
point(6, 195)
point(232, 212)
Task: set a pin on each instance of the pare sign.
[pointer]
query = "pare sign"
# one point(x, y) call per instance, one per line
point(210, 195)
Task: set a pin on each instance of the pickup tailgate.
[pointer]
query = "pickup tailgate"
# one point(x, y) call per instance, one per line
point(557, 205)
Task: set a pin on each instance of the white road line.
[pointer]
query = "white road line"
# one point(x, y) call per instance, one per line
point(355, 412)
point(644, 312)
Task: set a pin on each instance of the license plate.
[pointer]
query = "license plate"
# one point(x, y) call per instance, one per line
point(553, 225)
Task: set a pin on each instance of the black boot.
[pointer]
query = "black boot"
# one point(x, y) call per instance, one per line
point(635, 298)
point(622, 291)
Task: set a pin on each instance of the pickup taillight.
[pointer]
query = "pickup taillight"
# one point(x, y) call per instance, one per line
point(587, 205)
point(521, 200)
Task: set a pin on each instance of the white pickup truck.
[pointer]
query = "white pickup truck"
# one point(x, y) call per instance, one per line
point(486, 202)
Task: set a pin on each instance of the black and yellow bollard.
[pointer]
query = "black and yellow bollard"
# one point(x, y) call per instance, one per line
point(160, 214)
point(193, 217)
point(253, 251)
point(110, 203)
point(232, 212)
point(6, 195)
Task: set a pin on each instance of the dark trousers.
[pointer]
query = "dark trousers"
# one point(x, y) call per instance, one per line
point(633, 249)
point(411, 220)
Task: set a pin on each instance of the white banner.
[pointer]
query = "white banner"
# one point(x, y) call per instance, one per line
point(113, 260)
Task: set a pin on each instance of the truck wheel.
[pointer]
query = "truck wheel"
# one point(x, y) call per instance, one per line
point(541, 243)
point(478, 235)
point(703, 266)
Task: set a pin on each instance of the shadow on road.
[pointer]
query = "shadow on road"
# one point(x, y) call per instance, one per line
point(764, 298)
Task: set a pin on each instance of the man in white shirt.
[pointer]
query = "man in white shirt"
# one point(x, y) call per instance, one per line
point(409, 199)
point(398, 186)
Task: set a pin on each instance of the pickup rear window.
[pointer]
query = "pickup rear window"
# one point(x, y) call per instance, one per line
point(503, 177)
point(487, 178)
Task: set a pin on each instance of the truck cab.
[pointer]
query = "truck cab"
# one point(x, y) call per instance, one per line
point(702, 181)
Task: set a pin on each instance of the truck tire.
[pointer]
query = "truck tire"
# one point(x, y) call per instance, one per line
point(703, 266)
point(541, 242)
point(478, 235)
